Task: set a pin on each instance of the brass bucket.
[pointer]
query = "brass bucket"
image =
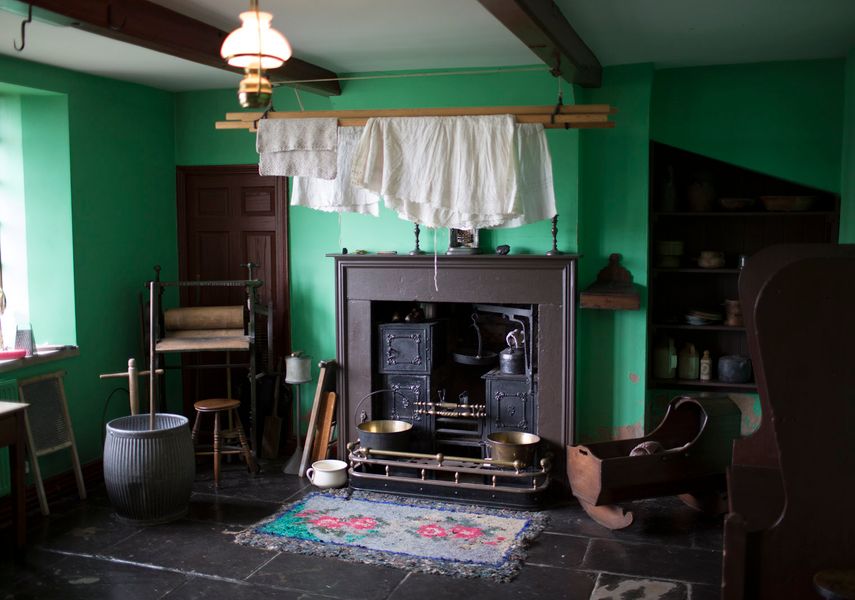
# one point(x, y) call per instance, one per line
point(385, 435)
point(511, 446)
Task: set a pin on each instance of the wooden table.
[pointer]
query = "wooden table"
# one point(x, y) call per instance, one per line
point(13, 434)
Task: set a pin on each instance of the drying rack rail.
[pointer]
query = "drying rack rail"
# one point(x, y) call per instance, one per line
point(497, 483)
point(560, 116)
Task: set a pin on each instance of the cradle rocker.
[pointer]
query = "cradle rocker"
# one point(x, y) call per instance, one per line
point(686, 455)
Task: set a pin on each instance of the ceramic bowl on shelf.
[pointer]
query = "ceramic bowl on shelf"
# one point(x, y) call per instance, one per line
point(736, 203)
point(702, 317)
point(711, 259)
point(787, 203)
point(668, 262)
point(669, 248)
point(12, 354)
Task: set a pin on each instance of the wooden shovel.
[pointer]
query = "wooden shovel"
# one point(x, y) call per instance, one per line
point(272, 423)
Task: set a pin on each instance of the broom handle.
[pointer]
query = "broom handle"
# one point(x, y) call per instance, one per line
point(275, 412)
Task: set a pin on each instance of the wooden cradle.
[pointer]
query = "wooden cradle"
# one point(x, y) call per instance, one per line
point(696, 435)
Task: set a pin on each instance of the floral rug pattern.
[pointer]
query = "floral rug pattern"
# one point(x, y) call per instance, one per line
point(414, 534)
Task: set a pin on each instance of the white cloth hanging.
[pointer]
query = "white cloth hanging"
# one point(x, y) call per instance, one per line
point(534, 175)
point(462, 172)
point(297, 147)
point(441, 171)
point(339, 194)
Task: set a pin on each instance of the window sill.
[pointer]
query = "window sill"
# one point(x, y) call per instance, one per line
point(43, 355)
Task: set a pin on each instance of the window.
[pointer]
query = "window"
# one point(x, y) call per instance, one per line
point(35, 216)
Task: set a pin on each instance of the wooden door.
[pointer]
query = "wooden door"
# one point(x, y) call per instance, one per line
point(229, 216)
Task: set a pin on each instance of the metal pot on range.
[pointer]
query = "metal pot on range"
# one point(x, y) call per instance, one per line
point(511, 446)
point(385, 434)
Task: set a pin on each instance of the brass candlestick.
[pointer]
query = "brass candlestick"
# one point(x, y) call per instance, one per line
point(417, 250)
point(555, 251)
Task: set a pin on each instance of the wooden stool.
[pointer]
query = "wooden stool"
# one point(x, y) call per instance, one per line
point(218, 406)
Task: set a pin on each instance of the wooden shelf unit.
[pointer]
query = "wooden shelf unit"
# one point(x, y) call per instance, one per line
point(677, 384)
point(673, 291)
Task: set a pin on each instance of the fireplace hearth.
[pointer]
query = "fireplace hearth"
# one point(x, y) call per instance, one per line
point(431, 357)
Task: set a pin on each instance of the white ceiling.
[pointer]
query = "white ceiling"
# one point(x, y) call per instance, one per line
point(384, 35)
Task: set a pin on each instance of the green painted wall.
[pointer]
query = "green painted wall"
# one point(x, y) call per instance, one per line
point(611, 345)
point(847, 161)
point(121, 148)
point(47, 180)
point(314, 234)
point(784, 119)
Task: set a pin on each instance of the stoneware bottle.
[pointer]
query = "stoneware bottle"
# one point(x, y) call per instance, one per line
point(664, 359)
point(706, 366)
point(688, 365)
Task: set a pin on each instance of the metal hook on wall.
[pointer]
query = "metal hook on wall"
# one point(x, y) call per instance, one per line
point(118, 27)
point(24, 24)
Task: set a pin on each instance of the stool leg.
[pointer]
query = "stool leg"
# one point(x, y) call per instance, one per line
point(244, 444)
point(194, 434)
point(216, 449)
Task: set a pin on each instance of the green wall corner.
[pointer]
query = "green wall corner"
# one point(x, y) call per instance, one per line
point(613, 212)
point(847, 155)
point(783, 118)
point(121, 140)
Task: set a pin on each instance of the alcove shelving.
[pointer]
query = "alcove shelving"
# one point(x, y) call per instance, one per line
point(709, 205)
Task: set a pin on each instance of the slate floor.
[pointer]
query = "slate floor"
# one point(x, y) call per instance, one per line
point(83, 551)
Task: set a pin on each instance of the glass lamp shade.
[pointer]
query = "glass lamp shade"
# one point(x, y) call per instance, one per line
point(255, 39)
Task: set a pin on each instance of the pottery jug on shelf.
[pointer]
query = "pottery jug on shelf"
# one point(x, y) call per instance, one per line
point(688, 365)
point(665, 359)
point(734, 369)
point(701, 193)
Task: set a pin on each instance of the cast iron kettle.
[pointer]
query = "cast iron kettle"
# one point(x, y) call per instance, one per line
point(512, 358)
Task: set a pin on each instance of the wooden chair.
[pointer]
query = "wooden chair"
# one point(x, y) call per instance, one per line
point(792, 482)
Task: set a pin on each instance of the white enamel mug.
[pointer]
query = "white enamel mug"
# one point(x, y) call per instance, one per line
point(328, 473)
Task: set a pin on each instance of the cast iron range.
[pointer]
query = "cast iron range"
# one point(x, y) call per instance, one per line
point(419, 446)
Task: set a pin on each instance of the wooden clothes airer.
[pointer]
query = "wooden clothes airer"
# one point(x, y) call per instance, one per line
point(559, 116)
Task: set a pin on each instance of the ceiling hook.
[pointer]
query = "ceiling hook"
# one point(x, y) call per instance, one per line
point(118, 27)
point(24, 24)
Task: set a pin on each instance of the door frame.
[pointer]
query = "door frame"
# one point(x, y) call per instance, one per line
point(283, 267)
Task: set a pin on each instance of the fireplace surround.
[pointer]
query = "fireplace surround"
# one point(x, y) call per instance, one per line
point(370, 288)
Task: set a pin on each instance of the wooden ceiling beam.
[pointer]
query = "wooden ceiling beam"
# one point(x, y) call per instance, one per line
point(541, 26)
point(156, 27)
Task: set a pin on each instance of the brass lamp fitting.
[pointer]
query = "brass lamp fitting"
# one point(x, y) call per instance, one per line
point(255, 90)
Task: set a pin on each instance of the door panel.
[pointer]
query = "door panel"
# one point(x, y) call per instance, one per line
point(260, 247)
point(228, 216)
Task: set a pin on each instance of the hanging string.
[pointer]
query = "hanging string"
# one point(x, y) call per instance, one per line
point(406, 75)
point(340, 245)
point(299, 101)
point(435, 284)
